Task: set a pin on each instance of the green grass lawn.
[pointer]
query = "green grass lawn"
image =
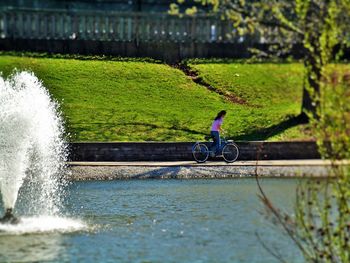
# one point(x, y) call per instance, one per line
point(144, 101)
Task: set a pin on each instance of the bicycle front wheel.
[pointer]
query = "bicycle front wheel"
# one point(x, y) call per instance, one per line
point(230, 152)
point(200, 152)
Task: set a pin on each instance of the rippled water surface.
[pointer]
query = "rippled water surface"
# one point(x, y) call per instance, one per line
point(159, 221)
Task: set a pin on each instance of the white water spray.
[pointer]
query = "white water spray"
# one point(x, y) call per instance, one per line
point(31, 145)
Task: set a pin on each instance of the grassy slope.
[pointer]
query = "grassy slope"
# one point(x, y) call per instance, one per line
point(273, 92)
point(124, 101)
point(137, 101)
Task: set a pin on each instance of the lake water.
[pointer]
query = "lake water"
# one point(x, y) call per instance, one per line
point(159, 221)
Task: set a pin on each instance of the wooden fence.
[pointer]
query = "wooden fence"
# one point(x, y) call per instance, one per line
point(115, 26)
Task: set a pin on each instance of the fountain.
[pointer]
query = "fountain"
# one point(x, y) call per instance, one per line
point(31, 146)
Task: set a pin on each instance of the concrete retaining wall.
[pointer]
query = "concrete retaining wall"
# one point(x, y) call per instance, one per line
point(181, 151)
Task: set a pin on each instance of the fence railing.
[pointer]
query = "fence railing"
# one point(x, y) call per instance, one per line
point(115, 26)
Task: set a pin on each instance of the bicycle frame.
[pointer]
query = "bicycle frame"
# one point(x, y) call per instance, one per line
point(223, 143)
point(202, 150)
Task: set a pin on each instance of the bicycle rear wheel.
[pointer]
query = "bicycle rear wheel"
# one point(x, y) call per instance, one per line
point(230, 152)
point(200, 152)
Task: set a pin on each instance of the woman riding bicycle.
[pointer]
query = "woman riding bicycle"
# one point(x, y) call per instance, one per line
point(227, 149)
point(215, 132)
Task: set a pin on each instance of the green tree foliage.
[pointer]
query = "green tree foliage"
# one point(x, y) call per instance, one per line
point(323, 211)
point(319, 26)
point(320, 226)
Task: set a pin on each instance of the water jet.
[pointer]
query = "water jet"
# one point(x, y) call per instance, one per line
point(32, 148)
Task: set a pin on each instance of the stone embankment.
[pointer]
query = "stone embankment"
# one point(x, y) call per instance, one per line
point(190, 170)
point(111, 161)
point(181, 151)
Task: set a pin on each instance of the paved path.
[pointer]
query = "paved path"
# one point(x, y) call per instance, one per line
point(190, 169)
point(214, 163)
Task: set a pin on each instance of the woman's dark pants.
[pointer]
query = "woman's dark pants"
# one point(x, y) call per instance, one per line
point(215, 147)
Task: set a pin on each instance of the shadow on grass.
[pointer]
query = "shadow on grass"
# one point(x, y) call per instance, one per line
point(195, 61)
point(154, 126)
point(104, 129)
point(266, 133)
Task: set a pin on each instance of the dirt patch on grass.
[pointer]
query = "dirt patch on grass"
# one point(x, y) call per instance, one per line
point(194, 76)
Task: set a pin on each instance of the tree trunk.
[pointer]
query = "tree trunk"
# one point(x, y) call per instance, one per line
point(307, 105)
point(311, 89)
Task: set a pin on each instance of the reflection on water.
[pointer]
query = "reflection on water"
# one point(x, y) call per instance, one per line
point(36, 238)
point(163, 221)
point(30, 248)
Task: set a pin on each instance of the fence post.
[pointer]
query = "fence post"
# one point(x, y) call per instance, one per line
point(2, 25)
point(129, 28)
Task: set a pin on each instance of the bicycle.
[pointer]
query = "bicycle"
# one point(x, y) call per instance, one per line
point(229, 150)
